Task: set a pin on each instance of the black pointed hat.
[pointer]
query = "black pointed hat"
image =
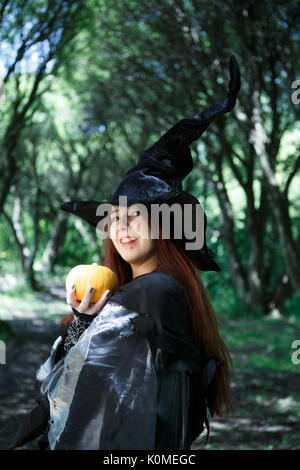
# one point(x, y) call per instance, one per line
point(157, 177)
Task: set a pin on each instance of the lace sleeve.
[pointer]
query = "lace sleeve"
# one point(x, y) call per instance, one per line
point(79, 324)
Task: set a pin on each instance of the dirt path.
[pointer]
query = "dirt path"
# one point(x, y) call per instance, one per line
point(23, 358)
point(257, 424)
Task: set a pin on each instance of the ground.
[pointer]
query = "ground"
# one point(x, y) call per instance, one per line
point(266, 401)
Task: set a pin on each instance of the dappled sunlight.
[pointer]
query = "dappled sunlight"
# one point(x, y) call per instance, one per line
point(287, 404)
point(33, 306)
point(265, 416)
point(8, 281)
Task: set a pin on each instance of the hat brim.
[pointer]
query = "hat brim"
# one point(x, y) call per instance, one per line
point(87, 210)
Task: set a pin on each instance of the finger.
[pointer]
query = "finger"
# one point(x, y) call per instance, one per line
point(100, 304)
point(71, 297)
point(86, 300)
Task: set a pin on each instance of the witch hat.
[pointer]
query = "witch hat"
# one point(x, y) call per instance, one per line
point(158, 175)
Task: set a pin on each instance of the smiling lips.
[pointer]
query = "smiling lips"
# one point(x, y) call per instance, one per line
point(127, 241)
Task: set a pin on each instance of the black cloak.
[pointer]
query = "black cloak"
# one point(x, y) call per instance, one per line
point(134, 379)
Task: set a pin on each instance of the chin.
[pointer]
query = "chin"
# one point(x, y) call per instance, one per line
point(130, 260)
point(127, 257)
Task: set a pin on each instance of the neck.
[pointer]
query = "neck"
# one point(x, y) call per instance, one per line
point(143, 268)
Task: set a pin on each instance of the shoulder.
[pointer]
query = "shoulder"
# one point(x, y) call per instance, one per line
point(150, 292)
point(160, 281)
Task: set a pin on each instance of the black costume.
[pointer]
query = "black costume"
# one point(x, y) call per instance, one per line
point(135, 378)
point(128, 372)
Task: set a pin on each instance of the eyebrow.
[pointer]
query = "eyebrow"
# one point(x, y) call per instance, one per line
point(117, 210)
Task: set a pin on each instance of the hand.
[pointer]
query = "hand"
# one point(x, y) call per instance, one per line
point(83, 306)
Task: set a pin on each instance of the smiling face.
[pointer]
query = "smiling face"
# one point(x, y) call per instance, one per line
point(132, 223)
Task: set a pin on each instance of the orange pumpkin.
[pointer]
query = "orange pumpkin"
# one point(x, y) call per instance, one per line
point(97, 276)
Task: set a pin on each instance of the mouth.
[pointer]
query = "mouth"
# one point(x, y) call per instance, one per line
point(128, 241)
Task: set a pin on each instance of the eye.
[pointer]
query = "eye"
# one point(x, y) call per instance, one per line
point(112, 220)
point(135, 213)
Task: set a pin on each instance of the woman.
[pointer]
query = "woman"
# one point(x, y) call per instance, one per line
point(137, 371)
point(150, 262)
point(162, 255)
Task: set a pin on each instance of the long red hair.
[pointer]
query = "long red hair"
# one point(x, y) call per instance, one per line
point(173, 260)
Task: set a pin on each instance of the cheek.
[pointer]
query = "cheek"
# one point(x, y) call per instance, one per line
point(140, 226)
point(147, 245)
point(114, 242)
point(113, 235)
point(114, 232)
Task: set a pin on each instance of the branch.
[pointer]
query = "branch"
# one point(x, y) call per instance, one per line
point(230, 151)
point(291, 176)
point(282, 290)
point(239, 276)
point(3, 6)
point(14, 223)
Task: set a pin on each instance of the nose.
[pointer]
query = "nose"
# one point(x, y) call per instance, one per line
point(120, 228)
point(123, 221)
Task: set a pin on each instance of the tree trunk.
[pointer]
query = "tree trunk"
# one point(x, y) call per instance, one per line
point(27, 256)
point(55, 243)
point(280, 204)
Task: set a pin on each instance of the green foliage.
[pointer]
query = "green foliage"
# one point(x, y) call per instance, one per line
point(76, 250)
point(7, 246)
point(121, 75)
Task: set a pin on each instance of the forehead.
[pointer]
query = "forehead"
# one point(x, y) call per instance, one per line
point(122, 208)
